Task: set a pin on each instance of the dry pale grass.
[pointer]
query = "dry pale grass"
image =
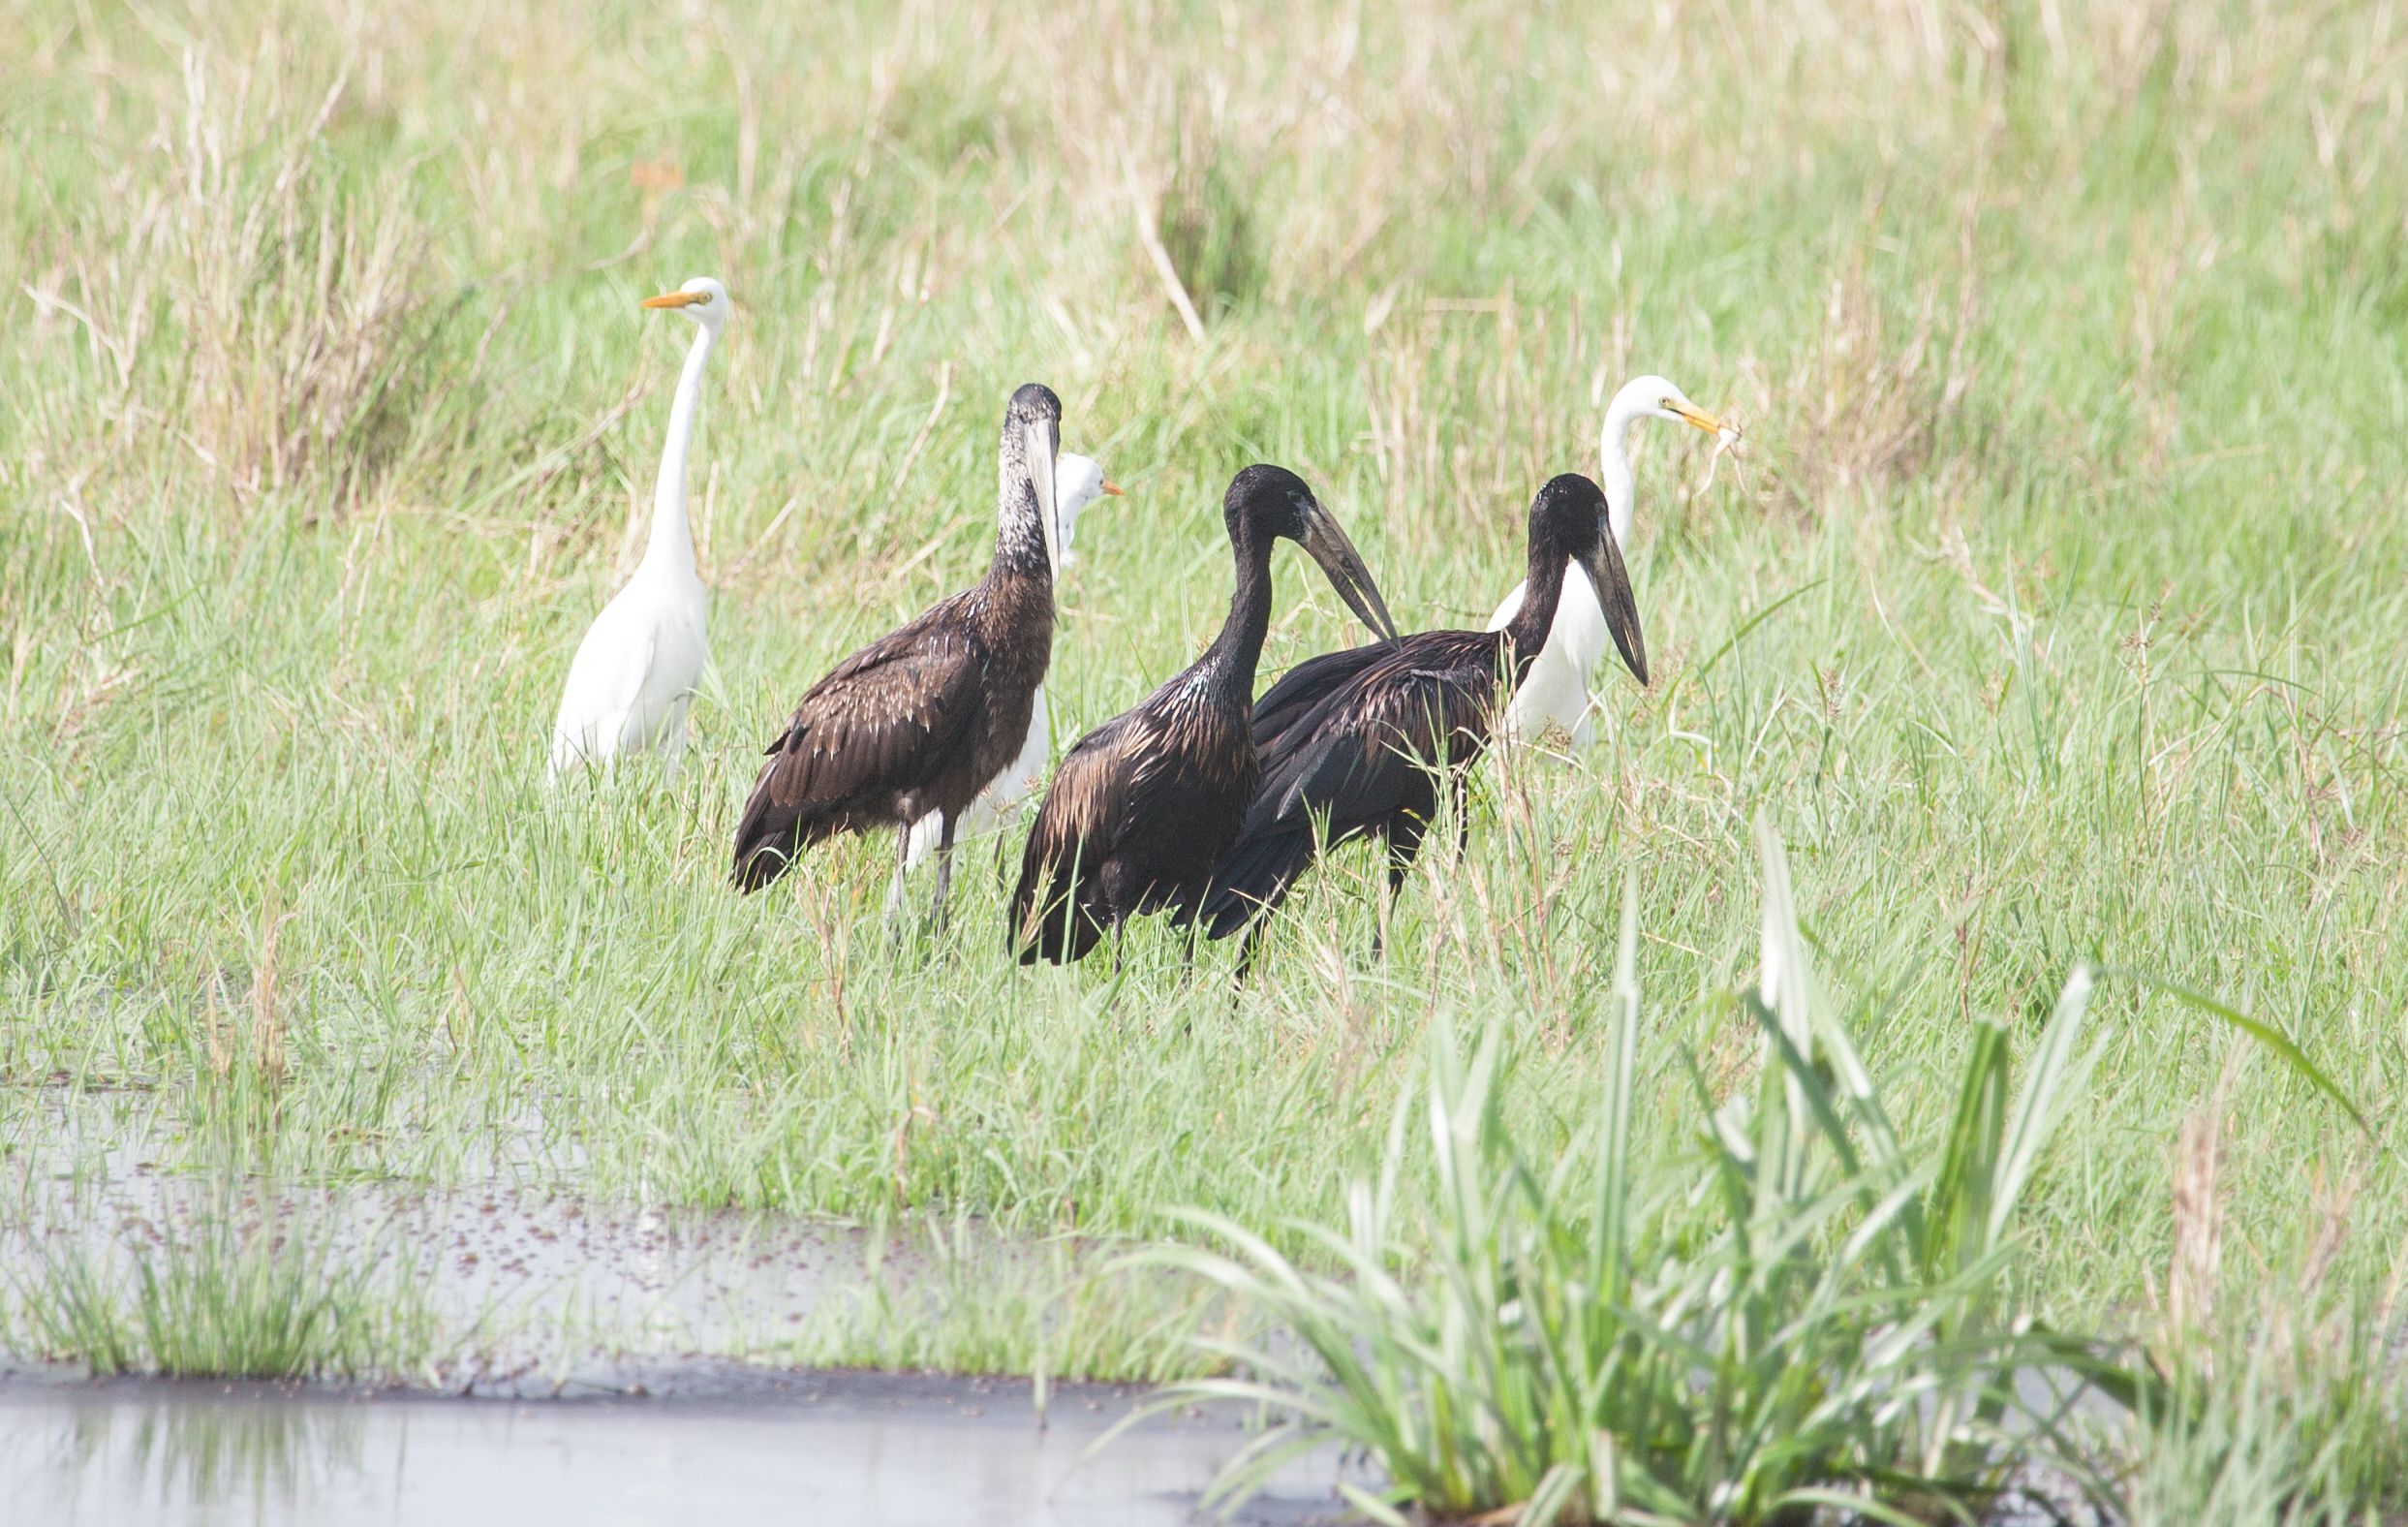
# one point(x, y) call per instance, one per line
point(282, 320)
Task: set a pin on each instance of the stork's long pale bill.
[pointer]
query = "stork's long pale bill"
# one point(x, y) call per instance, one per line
point(1327, 543)
point(1606, 574)
point(1041, 441)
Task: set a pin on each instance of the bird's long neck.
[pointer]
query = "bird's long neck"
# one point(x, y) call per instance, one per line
point(1621, 486)
point(1526, 633)
point(1235, 653)
point(1019, 531)
point(671, 546)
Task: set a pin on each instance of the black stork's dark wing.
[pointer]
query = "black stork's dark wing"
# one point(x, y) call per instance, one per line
point(1062, 905)
point(1351, 750)
point(1303, 688)
point(1131, 825)
point(883, 723)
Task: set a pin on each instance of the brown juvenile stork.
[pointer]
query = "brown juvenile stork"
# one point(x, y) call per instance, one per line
point(1144, 804)
point(919, 720)
point(1357, 743)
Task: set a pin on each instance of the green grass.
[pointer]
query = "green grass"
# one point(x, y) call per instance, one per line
point(2311, 1441)
point(228, 1293)
point(2055, 611)
point(962, 1304)
point(1805, 1311)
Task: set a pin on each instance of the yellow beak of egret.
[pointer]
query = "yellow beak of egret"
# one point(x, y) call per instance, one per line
point(1698, 419)
point(676, 299)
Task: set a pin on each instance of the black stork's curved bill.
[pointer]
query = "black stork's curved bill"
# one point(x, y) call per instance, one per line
point(1361, 743)
point(918, 721)
point(1144, 804)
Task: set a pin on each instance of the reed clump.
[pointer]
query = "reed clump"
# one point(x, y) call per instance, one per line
point(1799, 1311)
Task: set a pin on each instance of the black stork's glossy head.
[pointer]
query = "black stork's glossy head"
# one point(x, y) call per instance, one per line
point(1266, 501)
point(1568, 520)
point(1032, 440)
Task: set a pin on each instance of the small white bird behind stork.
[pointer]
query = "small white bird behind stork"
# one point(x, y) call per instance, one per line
point(1078, 482)
point(635, 673)
point(1556, 688)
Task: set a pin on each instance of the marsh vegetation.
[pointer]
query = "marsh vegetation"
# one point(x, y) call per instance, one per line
point(2051, 616)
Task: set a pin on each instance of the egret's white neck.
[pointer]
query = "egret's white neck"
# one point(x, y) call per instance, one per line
point(1622, 487)
point(671, 546)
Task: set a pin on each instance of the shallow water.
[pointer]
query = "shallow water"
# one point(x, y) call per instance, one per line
point(595, 1370)
point(594, 1346)
point(836, 1448)
point(531, 1288)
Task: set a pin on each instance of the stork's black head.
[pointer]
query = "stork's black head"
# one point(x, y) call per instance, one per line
point(1031, 514)
point(1265, 501)
point(1568, 520)
point(1034, 403)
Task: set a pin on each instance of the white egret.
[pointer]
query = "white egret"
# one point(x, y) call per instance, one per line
point(1556, 688)
point(1078, 482)
point(634, 673)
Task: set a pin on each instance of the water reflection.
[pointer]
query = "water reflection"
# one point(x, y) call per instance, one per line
point(836, 1448)
point(187, 1446)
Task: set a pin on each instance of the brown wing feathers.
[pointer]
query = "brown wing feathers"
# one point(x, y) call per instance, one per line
point(875, 728)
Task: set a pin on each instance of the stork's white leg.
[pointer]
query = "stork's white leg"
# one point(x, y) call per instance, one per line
point(944, 875)
point(895, 904)
point(673, 740)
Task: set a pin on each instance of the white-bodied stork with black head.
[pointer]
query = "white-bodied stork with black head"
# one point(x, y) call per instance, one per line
point(1555, 691)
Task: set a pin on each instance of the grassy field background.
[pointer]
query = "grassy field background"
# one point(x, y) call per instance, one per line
point(2056, 606)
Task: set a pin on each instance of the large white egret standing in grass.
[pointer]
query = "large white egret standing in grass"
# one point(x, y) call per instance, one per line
point(1556, 688)
point(635, 673)
point(1078, 482)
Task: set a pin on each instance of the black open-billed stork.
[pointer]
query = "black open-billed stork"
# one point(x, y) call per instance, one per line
point(1143, 806)
point(1358, 743)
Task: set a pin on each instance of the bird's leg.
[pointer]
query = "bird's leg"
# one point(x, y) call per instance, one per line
point(673, 744)
point(895, 903)
point(1403, 836)
point(944, 872)
point(1246, 947)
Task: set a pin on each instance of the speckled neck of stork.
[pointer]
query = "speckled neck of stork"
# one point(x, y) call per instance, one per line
point(1230, 661)
point(671, 546)
point(1019, 531)
point(1621, 487)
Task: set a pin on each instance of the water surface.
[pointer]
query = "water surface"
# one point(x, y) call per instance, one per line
point(747, 1448)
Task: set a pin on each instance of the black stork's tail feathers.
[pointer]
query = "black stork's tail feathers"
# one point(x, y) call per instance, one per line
point(769, 839)
point(1067, 926)
point(1254, 877)
point(777, 823)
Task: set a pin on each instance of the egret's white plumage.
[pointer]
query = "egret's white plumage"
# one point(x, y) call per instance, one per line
point(1556, 688)
point(1078, 482)
point(635, 673)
